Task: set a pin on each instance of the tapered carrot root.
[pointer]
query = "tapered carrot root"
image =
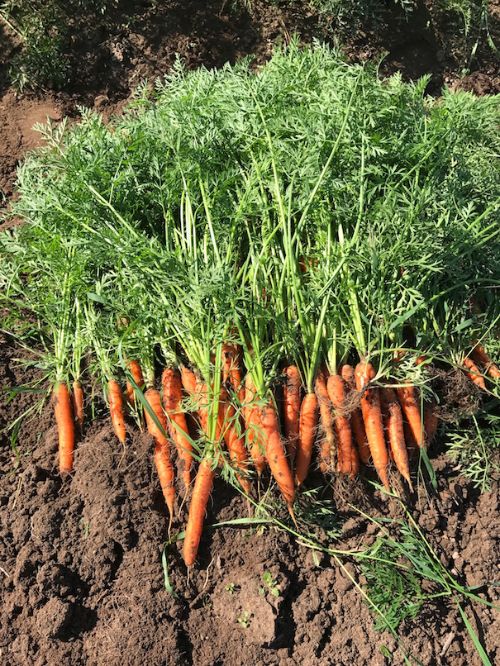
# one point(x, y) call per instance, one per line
point(177, 424)
point(348, 460)
point(188, 379)
point(372, 418)
point(327, 453)
point(252, 418)
point(308, 426)
point(136, 372)
point(480, 356)
point(231, 369)
point(410, 404)
point(197, 509)
point(357, 425)
point(162, 460)
point(63, 413)
point(115, 397)
point(291, 409)
point(275, 455)
point(393, 422)
point(474, 374)
point(235, 443)
point(78, 408)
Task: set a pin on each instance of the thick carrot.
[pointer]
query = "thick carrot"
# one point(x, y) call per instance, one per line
point(177, 425)
point(473, 373)
point(372, 417)
point(291, 411)
point(308, 426)
point(327, 451)
point(115, 397)
point(348, 460)
point(393, 422)
point(65, 426)
point(357, 425)
point(251, 416)
point(410, 404)
point(162, 459)
point(275, 454)
point(480, 356)
point(231, 369)
point(136, 372)
point(78, 408)
point(197, 509)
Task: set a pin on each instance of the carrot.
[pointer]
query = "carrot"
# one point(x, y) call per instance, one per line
point(162, 459)
point(65, 426)
point(410, 404)
point(115, 397)
point(231, 369)
point(372, 418)
point(197, 509)
point(473, 373)
point(348, 461)
point(291, 412)
point(393, 422)
point(308, 426)
point(480, 356)
point(177, 425)
point(431, 421)
point(275, 454)
point(327, 450)
point(78, 408)
point(251, 416)
point(235, 443)
point(136, 372)
point(357, 425)
point(188, 379)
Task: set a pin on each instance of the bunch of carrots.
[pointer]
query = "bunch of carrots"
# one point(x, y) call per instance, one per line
point(354, 419)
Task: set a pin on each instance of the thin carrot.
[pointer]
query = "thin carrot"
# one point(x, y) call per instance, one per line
point(473, 373)
point(115, 397)
point(372, 417)
point(275, 454)
point(78, 408)
point(235, 443)
point(480, 356)
point(136, 372)
point(308, 426)
point(393, 422)
point(231, 369)
point(357, 425)
point(162, 460)
point(410, 404)
point(348, 460)
point(291, 412)
point(177, 425)
point(197, 509)
point(63, 413)
point(252, 418)
point(327, 451)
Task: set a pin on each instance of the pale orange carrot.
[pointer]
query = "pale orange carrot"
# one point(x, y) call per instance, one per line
point(197, 509)
point(78, 408)
point(327, 453)
point(480, 356)
point(115, 398)
point(473, 373)
point(410, 404)
point(308, 427)
point(348, 460)
point(177, 425)
point(276, 456)
point(135, 370)
point(393, 422)
point(372, 418)
point(291, 410)
point(357, 425)
point(63, 413)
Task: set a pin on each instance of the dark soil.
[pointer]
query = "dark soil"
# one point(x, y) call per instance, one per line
point(81, 570)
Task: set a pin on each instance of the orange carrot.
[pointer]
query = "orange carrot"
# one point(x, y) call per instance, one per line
point(473, 373)
point(410, 404)
point(235, 443)
point(372, 417)
point(115, 397)
point(251, 416)
point(177, 425)
point(357, 425)
point(291, 412)
point(78, 408)
point(231, 369)
point(348, 460)
point(393, 421)
point(197, 509)
point(136, 372)
point(65, 426)
point(275, 454)
point(162, 459)
point(327, 451)
point(308, 426)
point(188, 379)
point(480, 356)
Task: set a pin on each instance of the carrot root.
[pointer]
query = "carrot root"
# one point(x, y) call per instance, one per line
point(63, 413)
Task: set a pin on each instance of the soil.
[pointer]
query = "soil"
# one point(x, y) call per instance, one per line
point(81, 573)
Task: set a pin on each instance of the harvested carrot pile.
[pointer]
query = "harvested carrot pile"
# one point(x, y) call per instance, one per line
point(265, 271)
